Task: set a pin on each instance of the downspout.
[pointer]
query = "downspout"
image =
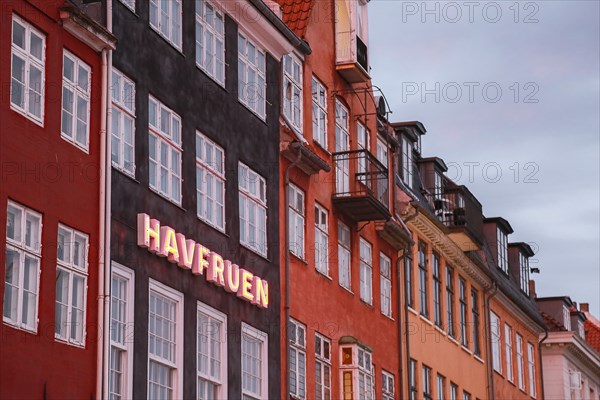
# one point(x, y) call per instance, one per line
point(488, 343)
point(399, 301)
point(541, 368)
point(406, 325)
point(287, 271)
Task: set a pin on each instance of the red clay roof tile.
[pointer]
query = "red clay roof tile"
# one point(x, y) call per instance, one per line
point(592, 335)
point(296, 14)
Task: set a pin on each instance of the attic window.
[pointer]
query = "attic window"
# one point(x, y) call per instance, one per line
point(524, 266)
point(502, 243)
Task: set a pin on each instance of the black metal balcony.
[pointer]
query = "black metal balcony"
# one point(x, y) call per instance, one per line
point(461, 212)
point(362, 186)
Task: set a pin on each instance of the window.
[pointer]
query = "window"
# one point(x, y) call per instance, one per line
point(426, 382)
point(412, 378)
point(496, 342)
point(75, 126)
point(297, 359)
point(296, 217)
point(319, 112)
point(28, 53)
point(475, 322)
point(121, 333)
point(366, 271)
point(387, 385)
point(130, 4)
point(165, 150)
point(255, 379)
point(408, 277)
point(385, 270)
point(453, 391)
point(450, 300)
point(363, 144)
point(22, 274)
point(322, 367)
point(382, 152)
point(438, 188)
point(524, 266)
point(502, 250)
point(344, 256)
point(165, 342)
point(566, 318)
point(531, 368)
point(212, 353)
point(437, 290)
point(508, 349)
point(123, 123)
point(342, 143)
point(366, 383)
point(253, 210)
point(251, 76)
point(407, 162)
point(165, 18)
point(441, 387)
point(466, 395)
point(292, 91)
point(71, 285)
point(321, 240)
point(462, 289)
point(520, 362)
point(423, 284)
point(210, 182)
point(210, 40)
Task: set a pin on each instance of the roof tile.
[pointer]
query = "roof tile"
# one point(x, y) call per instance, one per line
point(296, 14)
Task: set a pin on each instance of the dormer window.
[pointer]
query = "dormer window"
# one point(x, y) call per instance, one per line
point(566, 318)
point(502, 244)
point(407, 161)
point(580, 329)
point(292, 91)
point(524, 266)
point(438, 188)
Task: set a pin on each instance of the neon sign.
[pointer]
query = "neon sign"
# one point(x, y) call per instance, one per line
point(164, 241)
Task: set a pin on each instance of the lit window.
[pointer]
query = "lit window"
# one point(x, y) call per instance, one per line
point(165, 18)
point(165, 151)
point(524, 266)
point(531, 368)
point(385, 270)
point(28, 52)
point(296, 220)
point(408, 277)
point(255, 380)
point(210, 182)
point(450, 300)
point(426, 382)
point(502, 250)
point(321, 240)
point(75, 126)
point(23, 257)
point(344, 256)
point(366, 271)
point(322, 367)
point(120, 381)
point(423, 282)
point(437, 290)
point(387, 385)
point(292, 91)
point(475, 322)
point(212, 353)
point(412, 379)
point(441, 387)
point(123, 123)
point(251, 76)
point(366, 383)
point(297, 359)
point(71, 285)
point(319, 112)
point(520, 362)
point(253, 210)
point(165, 343)
point(462, 292)
point(496, 342)
point(508, 350)
point(210, 40)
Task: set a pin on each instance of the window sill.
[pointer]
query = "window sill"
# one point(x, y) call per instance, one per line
point(370, 305)
point(466, 349)
point(167, 40)
point(63, 341)
point(222, 232)
point(132, 10)
point(323, 275)
point(452, 339)
point(347, 289)
point(424, 319)
point(254, 251)
point(18, 327)
point(167, 198)
point(478, 358)
point(320, 146)
point(77, 145)
point(412, 310)
point(498, 372)
point(302, 260)
point(391, 318)
point(212, 78)
point(257, 115)
point(24, 113)
point(437, 328)
point(125, 172)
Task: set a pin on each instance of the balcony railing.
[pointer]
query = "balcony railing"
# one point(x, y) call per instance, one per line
point(362, 186)
point(458, 209)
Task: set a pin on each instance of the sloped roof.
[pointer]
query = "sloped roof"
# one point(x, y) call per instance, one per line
point(552, 323)
point(296, 14)
point(592, 334)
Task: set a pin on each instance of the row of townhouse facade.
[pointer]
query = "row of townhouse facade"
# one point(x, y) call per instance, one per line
point(208, 200)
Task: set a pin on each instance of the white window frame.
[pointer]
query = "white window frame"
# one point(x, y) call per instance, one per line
point(366, 271)
point(366, 376)
point(520, 362)
point(426, 383)
point(342, 143)
point(567, 318)
point(213, 316)
point(496, 341)
point(508, 351)
point(210, 35)
point(385, 281)
point(387, 385)
point(344, 256)
point(263, 339)
point(80, 90)
point(292, 101)
point(129, 4)
point(210, 174)
point(172, 140)
point(252, 93)
point(175, 365)
point(297, 372)
point(122, 338)
point(502, 244)
point(122, 113)
point(319, 112)
point(252, 190)
point(407, 161)
point(413, 390)
point(321, 239)
point(322, 364)
point(29, 61)
point(531, 368)
point(363, 143)
point(441, 386)
point(73, 270)
point(157, 24)
point(453, 391)
point(524, 275)
point(33, 250)
point(297, 218)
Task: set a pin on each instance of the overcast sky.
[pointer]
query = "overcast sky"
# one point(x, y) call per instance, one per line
point(516, 90)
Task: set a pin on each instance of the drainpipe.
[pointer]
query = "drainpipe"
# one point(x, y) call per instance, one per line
point(287, 271)
point(399, 301)
point(541, 368)
point(406, 325)
point(488, 343)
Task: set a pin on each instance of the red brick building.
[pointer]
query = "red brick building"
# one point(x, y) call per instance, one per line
point(50, 146)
